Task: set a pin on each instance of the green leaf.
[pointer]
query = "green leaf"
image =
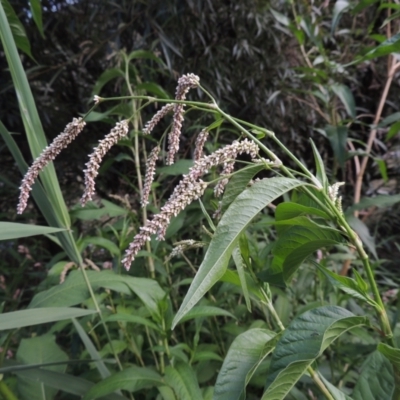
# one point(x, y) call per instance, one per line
point(240, 265)
point(17, 29)
point(363, 4)
point(206, 311)
point(232, 277)
point(131, 379)
point(348, 285)
point(321, 174)
point(337, 136)
point(389, 46)
point(245, 354)
point(107, 76)
point(14, 230)
point(395, 117)
point(19, 319)
point(340, 7)
point(376, 381)
point(91, 349)
point(183, 381)
point(153, 88)
point(100, 242)
point(302, 343)
point(238, 183)
point(235, 220)
point(60, 381)
point(392, 354)
point(74, 290)
point(393, 131)
point(289, 210)
point(135, 319)
point(297, 242)
point(36, 10)
point(38, 350)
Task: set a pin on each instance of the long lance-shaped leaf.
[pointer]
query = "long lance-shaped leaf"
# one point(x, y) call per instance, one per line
point(302, 342)
point(36, 316)
point(36, 138)
point(245, 353)
point(239, 214)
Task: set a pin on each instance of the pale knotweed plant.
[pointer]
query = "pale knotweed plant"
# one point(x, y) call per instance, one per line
point(190, 188)
point(158, 116)
point(185, 83)
point(150, 171)
point(70, 132)
point(93, 165)
point(220, 186)
point(199, 146)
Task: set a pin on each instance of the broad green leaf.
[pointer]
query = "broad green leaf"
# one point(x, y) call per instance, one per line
point(74, 290)
point(337, 136)
point(183, 381)
point(17, 29)
point(206, 311)
point(167, 393)
point(237, 183)
point(240, 265)
point(60, 381)
point(14, 230)
point(235, 220)
point(36, 10)
point(91, 349)
point(302, 343)
point(321, 174)
point(340, 7)
point(38, 350)
point(36, 316)
point(246, 352)
point(145, 54)
point(376, 381)
point(392, 354)
point(289, 210)
point(297, 242)
point(131, 379)
point(348, 285)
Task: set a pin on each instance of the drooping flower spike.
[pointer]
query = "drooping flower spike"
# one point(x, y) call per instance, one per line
point(71, 131)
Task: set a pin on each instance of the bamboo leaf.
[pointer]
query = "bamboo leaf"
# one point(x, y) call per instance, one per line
point(14, 230)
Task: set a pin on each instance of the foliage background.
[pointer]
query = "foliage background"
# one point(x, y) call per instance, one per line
point(248, 57)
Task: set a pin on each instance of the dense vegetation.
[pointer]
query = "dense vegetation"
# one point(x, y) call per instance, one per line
point(267, 265)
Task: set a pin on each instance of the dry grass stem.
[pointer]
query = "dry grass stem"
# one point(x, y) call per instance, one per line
point(92, 167)
point(70, 132)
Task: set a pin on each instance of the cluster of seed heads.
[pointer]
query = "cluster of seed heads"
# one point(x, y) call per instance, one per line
point(190, 188)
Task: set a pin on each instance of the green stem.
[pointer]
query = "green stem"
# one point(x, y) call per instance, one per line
point(6, 392)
